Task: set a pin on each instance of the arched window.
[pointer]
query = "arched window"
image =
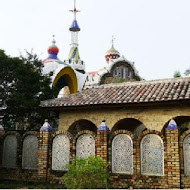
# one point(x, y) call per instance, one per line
point(9, 151)
point(123, 73)
point(186, 155)
point(129, 74)
point(115, 72)
point(152, 155)
point(85, 146)
point(122, 154)
point(60, 152)
point(30, 152)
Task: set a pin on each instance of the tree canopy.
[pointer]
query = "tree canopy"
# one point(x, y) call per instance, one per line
point(22, 87)
point(178, 74)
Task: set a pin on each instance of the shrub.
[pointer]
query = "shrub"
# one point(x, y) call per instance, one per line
point(90, 173)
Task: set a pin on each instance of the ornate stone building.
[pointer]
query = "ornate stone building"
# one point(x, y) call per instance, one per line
point(141, 128)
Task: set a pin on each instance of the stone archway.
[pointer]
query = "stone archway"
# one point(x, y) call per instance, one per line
point(81, 125)
point(130, 124)
point(66, 77)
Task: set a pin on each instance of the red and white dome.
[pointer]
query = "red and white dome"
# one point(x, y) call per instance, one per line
point(112, 53)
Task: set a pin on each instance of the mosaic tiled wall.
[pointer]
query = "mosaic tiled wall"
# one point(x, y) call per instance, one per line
point(122, 154)
point(165, 168)
point(30, 152)
point(60, 152)
point(152, 155)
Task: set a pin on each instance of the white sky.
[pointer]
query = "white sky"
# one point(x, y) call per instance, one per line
point(155, 34)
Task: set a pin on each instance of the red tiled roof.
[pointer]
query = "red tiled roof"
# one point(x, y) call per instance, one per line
point(93, 73)
point(126, 93)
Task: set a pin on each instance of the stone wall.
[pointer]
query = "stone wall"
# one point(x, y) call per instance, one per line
point(173, 176)
point(153, 117)
point(18, 173)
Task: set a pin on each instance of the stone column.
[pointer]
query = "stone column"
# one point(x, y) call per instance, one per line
point(173, 161)
point(45, 132)
point(102, 141)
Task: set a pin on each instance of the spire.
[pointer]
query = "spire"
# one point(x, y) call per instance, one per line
point(74, 57)
point(112, 41)
point(74, 26)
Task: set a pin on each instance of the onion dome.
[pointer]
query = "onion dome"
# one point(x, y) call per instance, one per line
point(172, 125)
point(53, 50)
point(103, 126)
point(74, 27)
point(112, 53)
point(46, 126)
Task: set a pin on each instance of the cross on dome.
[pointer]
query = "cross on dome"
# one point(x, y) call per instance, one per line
point(75, 11)
point(113, 39)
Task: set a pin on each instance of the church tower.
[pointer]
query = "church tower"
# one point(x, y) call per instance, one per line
point(74, 59)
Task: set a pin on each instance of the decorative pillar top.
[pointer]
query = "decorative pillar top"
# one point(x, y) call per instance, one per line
point(46, 126)
point(172, 125)
point(103, 126)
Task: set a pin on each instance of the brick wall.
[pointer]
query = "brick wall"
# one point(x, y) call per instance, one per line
point(153, 117)
point(18, 173)
point(173, 159)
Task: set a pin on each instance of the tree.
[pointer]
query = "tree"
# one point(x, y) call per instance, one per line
point(187, 72)
point(90, 173)
point(22, 87)
point(178, 74)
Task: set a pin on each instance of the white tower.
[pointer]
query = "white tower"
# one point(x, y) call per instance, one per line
point(74, 58)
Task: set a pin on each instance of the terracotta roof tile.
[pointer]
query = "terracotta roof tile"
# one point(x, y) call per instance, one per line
point(127, 93)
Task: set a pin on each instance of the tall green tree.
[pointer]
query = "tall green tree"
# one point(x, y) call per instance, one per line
point(22, 87)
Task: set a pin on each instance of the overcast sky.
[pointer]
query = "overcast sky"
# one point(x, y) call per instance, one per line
point(155, 34)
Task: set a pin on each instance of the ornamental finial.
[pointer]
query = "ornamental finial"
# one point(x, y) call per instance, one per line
point(53, 42)
point(113, 39)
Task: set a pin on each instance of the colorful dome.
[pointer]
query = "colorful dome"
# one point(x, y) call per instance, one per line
point(112, 53)
point(46, 126)
point(74, 27)
point(103, 126)
point(112, 50)
point(172, 125)
point(53, 50)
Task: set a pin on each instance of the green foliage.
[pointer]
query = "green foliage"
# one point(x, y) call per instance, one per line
point(185, 126)
point(177, 74)
point(22, 87)
point(90, 173)
point(187, 72)
point(121, 80)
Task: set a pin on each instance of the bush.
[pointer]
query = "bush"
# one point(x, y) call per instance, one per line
point(90, 173)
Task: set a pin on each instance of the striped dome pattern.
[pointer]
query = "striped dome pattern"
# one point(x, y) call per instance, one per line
point(74, 54)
